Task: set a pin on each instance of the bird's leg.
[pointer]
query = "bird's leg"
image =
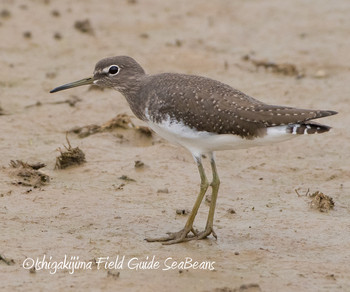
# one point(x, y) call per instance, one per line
point(215, 189)
point(182, 235)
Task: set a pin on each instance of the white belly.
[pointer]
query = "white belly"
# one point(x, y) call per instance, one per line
point(204, 142)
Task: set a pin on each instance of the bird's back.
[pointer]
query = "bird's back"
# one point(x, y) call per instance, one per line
point(204, 104)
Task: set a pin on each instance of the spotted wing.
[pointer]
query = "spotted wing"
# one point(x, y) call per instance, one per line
point(208, 105)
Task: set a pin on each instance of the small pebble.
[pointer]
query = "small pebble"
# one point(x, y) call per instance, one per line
point(5, 13)
point(178, 43)
point(51, 75)
point(113, 274)
point(27, 34)
point(208, 198)
point(182, 212)
point(57, 36)
point(32, 270)
point(163, 191)
point(144, 35)
point(139, 164)
point(126, 178)
point(320, 74)
point(84, 26)
point(55, 13)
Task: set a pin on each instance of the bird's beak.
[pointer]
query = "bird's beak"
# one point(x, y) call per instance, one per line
point(81, 82)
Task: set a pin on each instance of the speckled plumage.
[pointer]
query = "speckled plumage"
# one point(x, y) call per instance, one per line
point(203, 104)
point(208, 105)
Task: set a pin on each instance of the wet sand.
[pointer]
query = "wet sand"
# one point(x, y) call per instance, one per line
point(269, 237)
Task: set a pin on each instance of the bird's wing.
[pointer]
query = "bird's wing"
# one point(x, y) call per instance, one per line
point(208, 105)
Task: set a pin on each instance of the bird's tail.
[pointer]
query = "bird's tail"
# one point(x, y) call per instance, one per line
point(307, 128)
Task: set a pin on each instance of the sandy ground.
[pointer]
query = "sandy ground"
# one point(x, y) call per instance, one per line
point(269, 239)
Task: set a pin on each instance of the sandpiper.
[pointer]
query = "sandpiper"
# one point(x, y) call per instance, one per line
point(202, 115)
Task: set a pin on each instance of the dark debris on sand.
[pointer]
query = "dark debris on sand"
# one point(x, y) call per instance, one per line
point(139, 164)
point(321, 202)
point(126, 178)
point(29, 174)
point(72, 156)
point(114, 275)
point(85, 131)
point(253, 287)
point(72, 100)
point(144, 130)
point(121, 121)
point(4, 13)
point(287, 69)
point(182, 212)
point(7, 261)
point(84, 26)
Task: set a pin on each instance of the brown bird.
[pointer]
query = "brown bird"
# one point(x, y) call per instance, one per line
point(202, 115)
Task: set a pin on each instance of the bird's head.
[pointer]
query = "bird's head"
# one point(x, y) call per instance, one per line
point(119, 72)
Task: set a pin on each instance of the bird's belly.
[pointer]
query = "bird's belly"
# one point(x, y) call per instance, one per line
point(201, 142)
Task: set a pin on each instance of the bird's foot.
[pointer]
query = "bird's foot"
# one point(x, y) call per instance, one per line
point(205, 233)
point(175, 237)
point(183, 235)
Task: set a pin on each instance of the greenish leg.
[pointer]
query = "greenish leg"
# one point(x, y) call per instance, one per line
point(215, 189)
point(181, 236)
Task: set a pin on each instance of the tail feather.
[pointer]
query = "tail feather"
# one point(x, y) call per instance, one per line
point(307, 128)
point(323, 113)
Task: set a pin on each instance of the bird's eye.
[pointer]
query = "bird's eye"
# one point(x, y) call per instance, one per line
point(113, 70)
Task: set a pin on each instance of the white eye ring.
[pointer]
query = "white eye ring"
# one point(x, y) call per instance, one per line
point(113, 70)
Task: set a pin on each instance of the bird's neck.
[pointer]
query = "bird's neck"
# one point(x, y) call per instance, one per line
point(132, 92)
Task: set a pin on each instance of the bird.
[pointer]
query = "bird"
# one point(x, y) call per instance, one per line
point(202, 115)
